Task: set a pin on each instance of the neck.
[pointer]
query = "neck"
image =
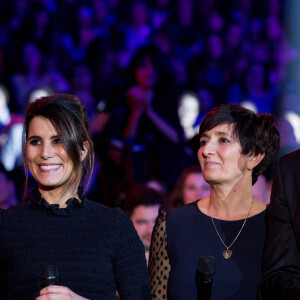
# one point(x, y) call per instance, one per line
point(231, 204)
point(58, 196)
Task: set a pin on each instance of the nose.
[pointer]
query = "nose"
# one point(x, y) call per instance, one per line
point(150, 227)
point(47, 150)
point(208, 148)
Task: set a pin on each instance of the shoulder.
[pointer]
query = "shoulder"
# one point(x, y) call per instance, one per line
point(290, 158)
point(15, 217)
point(101, 208)
point(182, 214)
point(184, 210)
point(15, 210)
point(109, 214)
point(288, 165)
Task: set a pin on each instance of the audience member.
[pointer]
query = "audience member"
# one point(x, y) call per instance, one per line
point(189, 187)
point(150, 129)
point(142, 204)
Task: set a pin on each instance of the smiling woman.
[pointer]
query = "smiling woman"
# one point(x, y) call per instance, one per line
point(55, 132)
point(95, 248)
point(47, 159)
point(236, 146)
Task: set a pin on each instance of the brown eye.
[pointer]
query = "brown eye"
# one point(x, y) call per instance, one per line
point(202, 143)
point(34, 142)
point(224, 140)
point(57, 141)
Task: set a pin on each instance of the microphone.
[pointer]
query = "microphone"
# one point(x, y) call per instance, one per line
point(205, 273)
point(50, 275)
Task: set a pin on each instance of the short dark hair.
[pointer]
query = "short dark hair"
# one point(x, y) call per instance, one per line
point(68, 116)
point(141, 194)
point(257, 133)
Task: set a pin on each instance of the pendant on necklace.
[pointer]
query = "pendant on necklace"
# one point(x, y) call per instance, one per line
point(227, 253)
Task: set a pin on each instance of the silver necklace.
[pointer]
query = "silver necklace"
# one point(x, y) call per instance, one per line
point(228, 253)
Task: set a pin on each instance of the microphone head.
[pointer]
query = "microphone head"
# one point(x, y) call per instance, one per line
point(50, 275)
point(206, 267)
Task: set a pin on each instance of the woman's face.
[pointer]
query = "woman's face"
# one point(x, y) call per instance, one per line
point(220, 156)
point(188, 110)
point(195, 187)
point(145, 74)
point(47, 159)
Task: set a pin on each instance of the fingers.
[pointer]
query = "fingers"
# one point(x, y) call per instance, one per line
point(55, 292)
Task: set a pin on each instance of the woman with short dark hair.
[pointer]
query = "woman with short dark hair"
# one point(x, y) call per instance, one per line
point(236, 146)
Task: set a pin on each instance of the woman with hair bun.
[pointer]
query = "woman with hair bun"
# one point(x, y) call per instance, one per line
point(95, 249)
point(236, 146)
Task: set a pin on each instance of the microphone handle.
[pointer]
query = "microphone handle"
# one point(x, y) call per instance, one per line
point(49, 281)
point(50, 275)
point(204, 290)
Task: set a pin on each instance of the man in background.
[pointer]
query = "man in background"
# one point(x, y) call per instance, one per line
point(142, 205)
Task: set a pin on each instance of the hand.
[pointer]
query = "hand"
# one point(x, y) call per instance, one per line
point(56, 292)
point(135, 96)
point(147, 101)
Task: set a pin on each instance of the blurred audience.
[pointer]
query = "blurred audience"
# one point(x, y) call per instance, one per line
point(8, 195)
point(130, 61)
point(261, 189)
point(142, 205)
point(189, 187)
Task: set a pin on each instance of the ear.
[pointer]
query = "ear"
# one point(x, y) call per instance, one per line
point(255, 160)
point(84, 151)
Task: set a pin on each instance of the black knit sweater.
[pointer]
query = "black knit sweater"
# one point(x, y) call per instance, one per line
point(95, 248)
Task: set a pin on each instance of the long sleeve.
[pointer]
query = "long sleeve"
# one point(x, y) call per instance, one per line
point(159, 264)
point(96, 249)
point(281, 260)
point(130, 267)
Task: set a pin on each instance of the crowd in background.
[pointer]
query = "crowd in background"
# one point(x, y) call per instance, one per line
point(147, 72)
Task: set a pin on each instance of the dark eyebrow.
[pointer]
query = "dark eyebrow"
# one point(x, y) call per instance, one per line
point(38, 137)
point(223, 133)
point(33, 137)
point(219, 133)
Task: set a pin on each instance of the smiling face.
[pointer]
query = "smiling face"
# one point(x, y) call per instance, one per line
point(220, 156)
point(47, 159)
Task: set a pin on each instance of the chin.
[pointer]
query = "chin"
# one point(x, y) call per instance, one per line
point(48, 186)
